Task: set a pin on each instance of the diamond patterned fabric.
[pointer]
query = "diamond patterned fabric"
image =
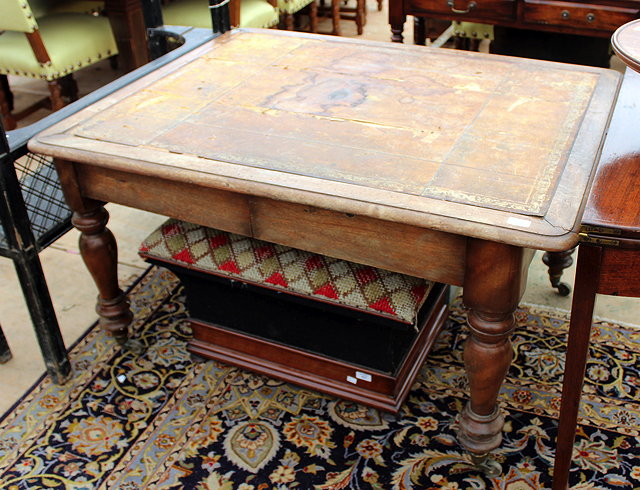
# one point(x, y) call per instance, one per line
point(377, 291)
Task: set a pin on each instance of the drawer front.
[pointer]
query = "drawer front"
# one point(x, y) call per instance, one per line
point(577, 15)
point(476, 10)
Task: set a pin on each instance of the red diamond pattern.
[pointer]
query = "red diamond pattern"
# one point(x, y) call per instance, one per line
point(230, 266)
point(366, 275)
point(383, 305)
point(314, 262)
point(376, 291)
point(327, 290)
point(277, 279)
point(264, 252)
point(218, 241)
point(184, 256)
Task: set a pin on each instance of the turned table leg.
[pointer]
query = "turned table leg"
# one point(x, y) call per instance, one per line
point(100, 254)
point(397, 19)
point(557, 262)
point(494, 283)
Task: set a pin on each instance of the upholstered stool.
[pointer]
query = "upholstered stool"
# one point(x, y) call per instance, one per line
point(468, 35)
point(335, 326)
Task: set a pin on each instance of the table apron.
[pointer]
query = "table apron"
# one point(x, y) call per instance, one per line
point(421, 252)
point(620, 272)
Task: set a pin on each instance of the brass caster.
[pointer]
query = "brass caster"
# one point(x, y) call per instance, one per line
point(133, 346)
point(563, 289)
point(490, 467)
point(196, 358)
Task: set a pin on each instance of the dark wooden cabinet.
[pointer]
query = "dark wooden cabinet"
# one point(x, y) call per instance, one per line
point(591, 19)
point(587, 18)
point(466, 9)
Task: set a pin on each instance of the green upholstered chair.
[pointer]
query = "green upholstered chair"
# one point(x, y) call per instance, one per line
point(50, 47)
point(243, 13)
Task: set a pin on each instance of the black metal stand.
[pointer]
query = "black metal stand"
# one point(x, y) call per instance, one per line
point(49, 217)
point(220, 18)
point(157, 38)
point(33, 213)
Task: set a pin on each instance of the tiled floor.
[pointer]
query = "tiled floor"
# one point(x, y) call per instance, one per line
point(73, 291)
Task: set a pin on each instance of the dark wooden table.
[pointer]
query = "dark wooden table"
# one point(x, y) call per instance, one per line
point(595, 18)
point(609, 251)
point(626, 44)
point(447, 165)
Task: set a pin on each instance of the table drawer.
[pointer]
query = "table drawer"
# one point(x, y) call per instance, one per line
point(477, 10)
point(577, 15)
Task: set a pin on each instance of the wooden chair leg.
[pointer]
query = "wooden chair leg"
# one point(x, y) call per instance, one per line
point(361, 15)
point(288, 22)
point(6, 103)
point(69, 87)
point(584, 297)
point(8, 95)
point(5, 352)
point(419, 31)
point(335, 14)
point(460, 42)
point(313, 17)
point(380, 5)
point(55, 95)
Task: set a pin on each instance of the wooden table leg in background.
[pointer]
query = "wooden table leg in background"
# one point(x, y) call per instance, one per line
point(419, 31)
point(397, 19)
point(557, 262)
point(612, 269)
point(584, 297)
point(493, 286)
point(99, 252)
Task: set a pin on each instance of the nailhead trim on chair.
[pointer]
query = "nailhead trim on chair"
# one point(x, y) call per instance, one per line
point(53, 76)
point(376, 291)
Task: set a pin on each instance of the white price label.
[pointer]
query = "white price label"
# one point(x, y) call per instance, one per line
point(522, 223)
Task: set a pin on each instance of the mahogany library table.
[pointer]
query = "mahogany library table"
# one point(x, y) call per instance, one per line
point(452, 166)
point(609, 252)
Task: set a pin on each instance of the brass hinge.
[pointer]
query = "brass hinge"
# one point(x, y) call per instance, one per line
point(596, 240)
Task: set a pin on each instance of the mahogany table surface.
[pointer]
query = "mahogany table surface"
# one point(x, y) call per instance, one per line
point(492, 147)
point(608, 257)
point(626, 44)
point(618, 213)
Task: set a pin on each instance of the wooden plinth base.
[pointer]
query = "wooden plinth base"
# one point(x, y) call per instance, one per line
point(382, 390)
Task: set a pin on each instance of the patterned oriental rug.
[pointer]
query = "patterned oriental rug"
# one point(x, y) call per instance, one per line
point(160, 421)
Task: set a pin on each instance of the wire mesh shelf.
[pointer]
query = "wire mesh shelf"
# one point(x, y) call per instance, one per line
point(42, 194)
